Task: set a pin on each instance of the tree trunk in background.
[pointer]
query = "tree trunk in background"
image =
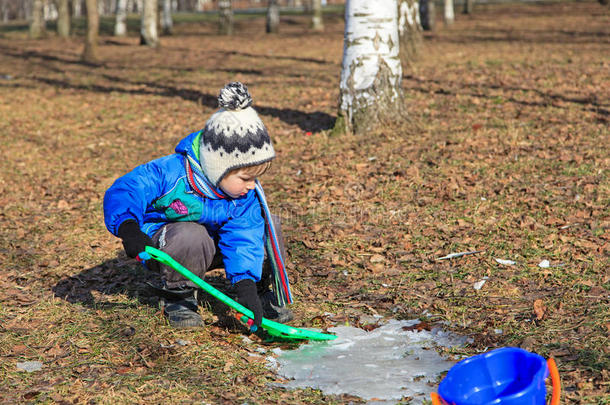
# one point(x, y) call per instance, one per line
point(317, 22)
point(90, 53)
point(448, 12)
point(37, 23)
point(167, 24)
point(409, 30)
point(25, 11)
point(77, 8)
point(273, 17)
point(120, 23)
point(370, 92)
point(468, 4)
point(4, 11)
point(148, 25)
point(427, 14)
point(225, 17)
point(63, 19)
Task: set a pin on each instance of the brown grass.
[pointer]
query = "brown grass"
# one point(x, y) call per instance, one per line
point(506, 152)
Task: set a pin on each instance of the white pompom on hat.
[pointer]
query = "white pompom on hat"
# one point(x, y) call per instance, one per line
point(234, 136)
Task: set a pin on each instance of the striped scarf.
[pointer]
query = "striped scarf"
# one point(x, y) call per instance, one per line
point(203, 187)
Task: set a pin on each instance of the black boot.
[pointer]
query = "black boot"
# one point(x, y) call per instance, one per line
point(180, 307)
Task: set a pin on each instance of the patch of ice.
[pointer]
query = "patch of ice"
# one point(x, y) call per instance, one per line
point(29, 366)
point(479, 284)
point(385, 364)
point(505, 262)
point(545, 264)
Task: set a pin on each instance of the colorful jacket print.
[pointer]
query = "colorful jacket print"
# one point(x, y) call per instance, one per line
point(158, 192)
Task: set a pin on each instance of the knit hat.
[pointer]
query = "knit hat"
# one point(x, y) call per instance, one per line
point(234, 136)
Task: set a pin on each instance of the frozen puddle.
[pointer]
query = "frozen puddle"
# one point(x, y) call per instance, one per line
point(381, 366)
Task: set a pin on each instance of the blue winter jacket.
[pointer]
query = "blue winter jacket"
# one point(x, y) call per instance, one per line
point(158, 192)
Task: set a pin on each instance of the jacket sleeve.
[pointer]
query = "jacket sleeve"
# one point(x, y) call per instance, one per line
point(131, 194)
point(241, 242)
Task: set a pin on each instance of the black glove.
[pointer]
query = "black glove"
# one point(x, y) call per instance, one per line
point(248, 297)
point(134, 240)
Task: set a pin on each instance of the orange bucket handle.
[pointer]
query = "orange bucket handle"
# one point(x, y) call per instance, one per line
point(436, 399)
point(554, 380)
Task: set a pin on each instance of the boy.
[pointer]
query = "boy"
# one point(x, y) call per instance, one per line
point(205, 208)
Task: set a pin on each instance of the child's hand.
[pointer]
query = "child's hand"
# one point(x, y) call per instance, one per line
point(134, 240)
point(248, 297)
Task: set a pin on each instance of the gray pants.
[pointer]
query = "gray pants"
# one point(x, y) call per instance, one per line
point(191, 245)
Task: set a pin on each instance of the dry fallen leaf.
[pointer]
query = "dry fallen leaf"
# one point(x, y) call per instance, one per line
point(539, 309)
point(376, 258)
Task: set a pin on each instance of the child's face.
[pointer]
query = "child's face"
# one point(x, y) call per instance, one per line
point(237, 184)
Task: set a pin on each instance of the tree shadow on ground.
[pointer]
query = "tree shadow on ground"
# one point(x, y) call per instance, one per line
point(100, 286)
point(464, 88)
point(311, 122)
point(533, 36)
point(113, 277)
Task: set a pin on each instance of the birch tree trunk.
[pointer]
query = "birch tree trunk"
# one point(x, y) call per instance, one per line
point(409, 30)
point(77, 8)
point(37, 23)
point(90, 54)
point(273, 17)
point(468, 6)
point(63, 19)
point(225, 17)
point(120, 23)
point(448, 12)
point(370, 92)
point(317, 23)
point(427, 14)
point(4, 10)
point(148, 24)
point(167, 24)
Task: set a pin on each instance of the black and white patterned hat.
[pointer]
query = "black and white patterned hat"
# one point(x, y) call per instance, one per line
point(234, 136)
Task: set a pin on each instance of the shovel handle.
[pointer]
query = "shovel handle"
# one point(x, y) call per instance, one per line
point(555, 380)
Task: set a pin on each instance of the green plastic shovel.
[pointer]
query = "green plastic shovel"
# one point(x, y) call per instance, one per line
point(274, 328)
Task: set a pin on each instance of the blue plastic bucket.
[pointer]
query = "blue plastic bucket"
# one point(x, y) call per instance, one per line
point(506, 376)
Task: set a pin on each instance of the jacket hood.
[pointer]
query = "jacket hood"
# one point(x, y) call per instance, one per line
point(190, 145)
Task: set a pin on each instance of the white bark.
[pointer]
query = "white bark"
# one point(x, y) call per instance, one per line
point(120, 24)
point(77, 8)
point(49, 11)
point(317, 22)
point(4, 10)
point(63, 19)
point(148, 25)
point(409, 29)
point(449, 15)
point(225, 17)
point(273, 17)
point(371, 72)
point(167, 24)
point(37, 24)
